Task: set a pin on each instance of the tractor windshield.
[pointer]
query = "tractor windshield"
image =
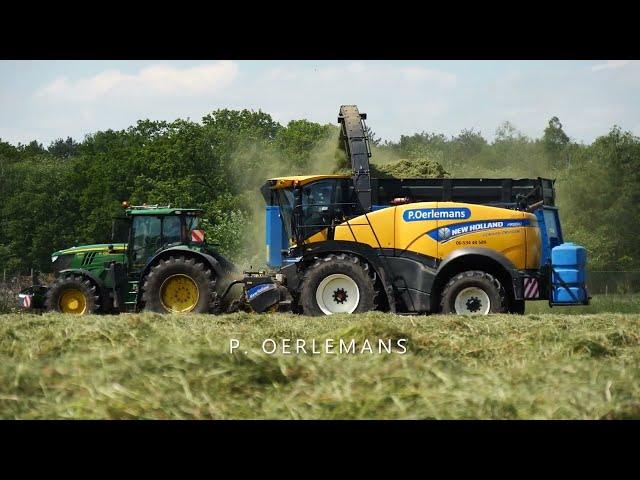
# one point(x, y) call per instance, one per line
point(323, 202)
point(146, 239)
point(151, 233)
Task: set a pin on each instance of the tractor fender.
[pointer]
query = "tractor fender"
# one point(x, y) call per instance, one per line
point(205, 257)
point(102, 288)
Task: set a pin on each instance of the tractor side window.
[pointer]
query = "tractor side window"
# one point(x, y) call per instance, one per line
point(120, 230)
point(317, 211)
point(286, 201)
point(192, 223)
point(171, 230)
point(347, 204)
point(551, 223)
point(146, 239)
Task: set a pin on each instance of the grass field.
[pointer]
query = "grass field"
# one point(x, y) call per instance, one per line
point(152, 366)
point(629, 303)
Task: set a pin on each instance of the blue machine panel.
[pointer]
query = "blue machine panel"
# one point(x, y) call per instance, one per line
point(276, 237)
point(550, 231)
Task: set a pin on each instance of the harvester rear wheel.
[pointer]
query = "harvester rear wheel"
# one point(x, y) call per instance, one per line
point(73, 294)
point(473, 293)
point(337, 284)
point(179, 285)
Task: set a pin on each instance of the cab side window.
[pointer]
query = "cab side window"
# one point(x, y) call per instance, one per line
point(146, 238)
point(171, 231)
point(317, 198)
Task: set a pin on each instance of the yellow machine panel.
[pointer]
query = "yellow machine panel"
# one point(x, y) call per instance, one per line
point(287, 182)
point(534, 243)
point(436, 229)
point(359, 229)
point(498, 229)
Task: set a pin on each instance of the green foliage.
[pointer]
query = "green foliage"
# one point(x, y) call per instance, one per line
point(554, 138)
point(67, 194)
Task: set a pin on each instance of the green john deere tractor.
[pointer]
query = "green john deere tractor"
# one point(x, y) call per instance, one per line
point(165, 266)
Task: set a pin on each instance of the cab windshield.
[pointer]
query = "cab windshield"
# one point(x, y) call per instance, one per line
point(324, 203)
point(151, 233)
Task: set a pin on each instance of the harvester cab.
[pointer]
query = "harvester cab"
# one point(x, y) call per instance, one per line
point(165, 265)
point(352, 243)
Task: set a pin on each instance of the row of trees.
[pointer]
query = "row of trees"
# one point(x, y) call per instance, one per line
point(67, 193)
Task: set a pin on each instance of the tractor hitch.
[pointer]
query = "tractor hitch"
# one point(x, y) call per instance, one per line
point(33, 297)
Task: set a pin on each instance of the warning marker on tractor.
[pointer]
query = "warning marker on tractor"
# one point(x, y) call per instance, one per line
point(197, 236)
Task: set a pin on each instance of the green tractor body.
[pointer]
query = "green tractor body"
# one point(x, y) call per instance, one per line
point(165, 266)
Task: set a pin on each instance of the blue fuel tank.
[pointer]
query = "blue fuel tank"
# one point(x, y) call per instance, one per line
point(568, 277)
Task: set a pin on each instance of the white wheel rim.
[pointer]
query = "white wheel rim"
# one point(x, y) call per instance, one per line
point(337, 293)
point(472, 301)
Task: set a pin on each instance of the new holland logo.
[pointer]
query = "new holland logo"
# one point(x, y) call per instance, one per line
point(258, 289)
point(444, 234)
point(422, 214)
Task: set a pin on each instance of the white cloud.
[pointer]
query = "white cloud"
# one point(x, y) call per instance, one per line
point(399, 97)
point(156, 80)
point(610, 65)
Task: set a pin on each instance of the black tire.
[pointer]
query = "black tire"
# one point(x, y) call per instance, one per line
point(347, 265)
point(478, 279)
point(73, 282)
point(197, 272)
point(517, 307)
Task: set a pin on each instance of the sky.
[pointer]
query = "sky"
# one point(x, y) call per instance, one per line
point(47, 100)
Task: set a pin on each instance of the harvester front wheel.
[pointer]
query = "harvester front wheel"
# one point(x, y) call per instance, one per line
point(337, 284)
point(179, 285)
point(473, 293)
point(73, 294)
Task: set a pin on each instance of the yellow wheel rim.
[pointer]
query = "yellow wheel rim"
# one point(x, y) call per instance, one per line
point(73, 301)
point(179, 293)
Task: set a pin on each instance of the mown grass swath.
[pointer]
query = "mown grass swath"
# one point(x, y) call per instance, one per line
point(153, 366)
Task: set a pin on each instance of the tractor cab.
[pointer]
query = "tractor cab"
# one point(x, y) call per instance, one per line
point(155, 228)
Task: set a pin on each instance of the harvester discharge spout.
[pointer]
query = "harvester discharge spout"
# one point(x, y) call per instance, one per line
point(354, 140)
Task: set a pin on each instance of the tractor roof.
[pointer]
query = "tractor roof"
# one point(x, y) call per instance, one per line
point(158, 210)
point(285, 182)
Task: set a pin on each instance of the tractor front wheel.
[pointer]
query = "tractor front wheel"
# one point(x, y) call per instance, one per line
point(338, 284)
point(73, 294)
point(179, 285)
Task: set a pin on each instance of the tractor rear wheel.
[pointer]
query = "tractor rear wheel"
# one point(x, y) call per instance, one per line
point(179, 285)
point(473, 293)
point(337, 284)
point(74, 294)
